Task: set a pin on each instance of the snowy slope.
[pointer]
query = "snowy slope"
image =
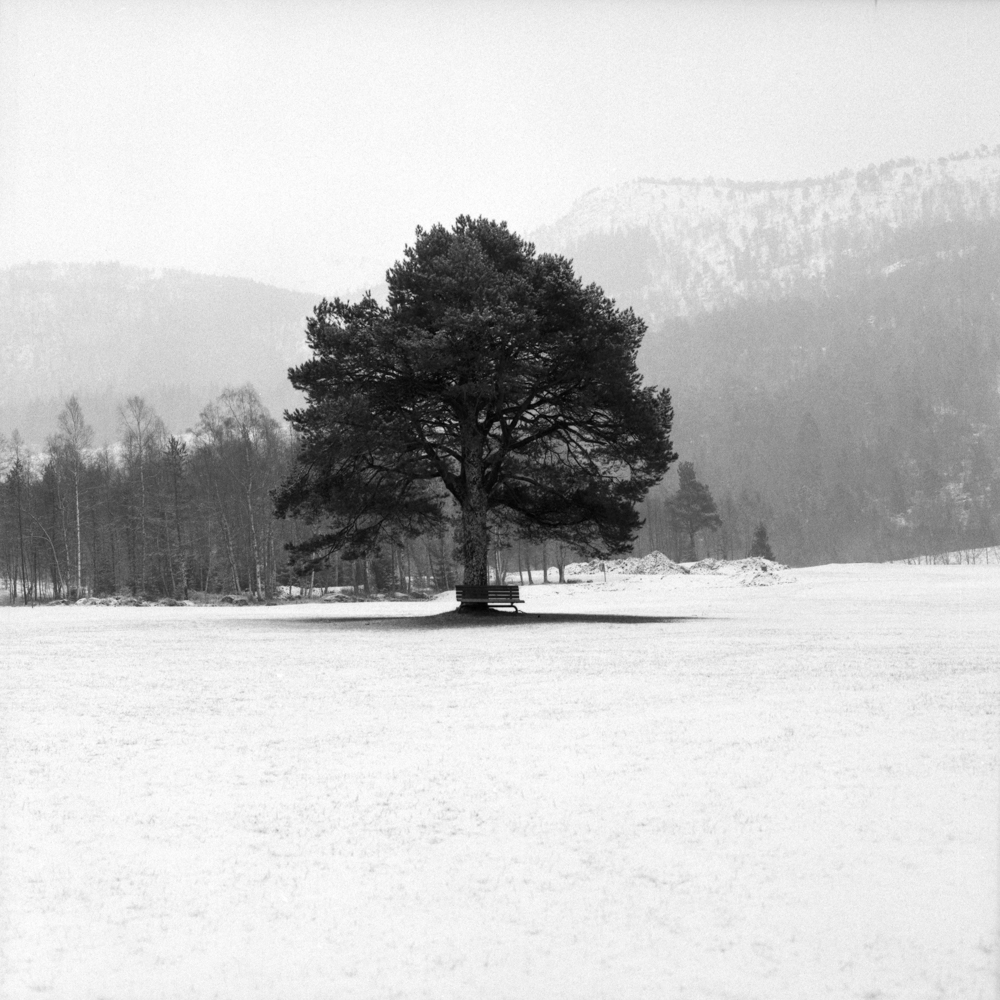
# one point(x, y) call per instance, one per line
point(678, 247)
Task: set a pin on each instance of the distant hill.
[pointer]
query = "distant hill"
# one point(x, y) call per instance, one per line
point(678, 248)
point(105, 331)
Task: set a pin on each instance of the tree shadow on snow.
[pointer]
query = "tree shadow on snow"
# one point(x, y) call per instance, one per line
point(453, 619)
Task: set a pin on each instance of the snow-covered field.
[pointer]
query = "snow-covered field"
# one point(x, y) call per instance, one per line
point(661, 786)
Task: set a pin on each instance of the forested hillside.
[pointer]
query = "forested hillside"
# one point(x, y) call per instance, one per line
point(861, 424)
point(104, 332)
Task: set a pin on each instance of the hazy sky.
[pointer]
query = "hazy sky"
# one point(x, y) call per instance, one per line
point(300, 143)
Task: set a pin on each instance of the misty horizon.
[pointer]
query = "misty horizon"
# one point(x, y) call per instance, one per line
point(301, 146)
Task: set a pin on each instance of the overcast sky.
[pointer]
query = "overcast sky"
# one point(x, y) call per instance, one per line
point(300, 143)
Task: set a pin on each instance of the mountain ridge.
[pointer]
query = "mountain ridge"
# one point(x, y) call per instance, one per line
point(107, 331)
point(678, 247)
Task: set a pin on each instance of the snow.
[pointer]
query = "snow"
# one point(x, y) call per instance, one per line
point(986, 555)
point(751, 572)
point(654, 563)
point(665, 785)
point(701, 227)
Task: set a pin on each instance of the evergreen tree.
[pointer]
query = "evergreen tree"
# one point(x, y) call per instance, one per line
point(760, 546)
point(692, 509)
point(492, 375)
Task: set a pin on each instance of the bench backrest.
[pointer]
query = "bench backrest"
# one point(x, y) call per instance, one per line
point(492, 591)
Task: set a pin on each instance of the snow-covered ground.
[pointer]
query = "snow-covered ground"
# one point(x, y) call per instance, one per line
point(986, 555)
point(662, 786)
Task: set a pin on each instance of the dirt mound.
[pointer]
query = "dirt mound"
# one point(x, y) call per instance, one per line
point(127, 601)
point(706, 566)
point(752, 572)
point(654, 564)
point(756, 572)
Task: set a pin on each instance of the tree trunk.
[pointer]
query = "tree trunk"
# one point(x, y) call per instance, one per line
point(170, 559)
point(79, 544)
point(227, 535)
point(475, 530)
point(182, 555)
point(20, 537)
point(62, 523)
point(142, 525)
point(256, 584)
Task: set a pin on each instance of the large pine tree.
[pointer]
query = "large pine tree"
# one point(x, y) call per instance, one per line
point(493, 375)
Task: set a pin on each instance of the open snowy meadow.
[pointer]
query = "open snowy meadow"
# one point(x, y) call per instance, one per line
point(654, 786)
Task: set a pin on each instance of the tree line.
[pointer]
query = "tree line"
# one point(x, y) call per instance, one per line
point(156, 514)
point(153, 514)
point(161, 515)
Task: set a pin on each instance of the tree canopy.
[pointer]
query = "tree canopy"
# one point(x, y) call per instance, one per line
point(761, 546)
point(491, 374)
point(692, 508)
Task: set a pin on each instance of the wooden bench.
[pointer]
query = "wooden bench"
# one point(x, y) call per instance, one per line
point(489, 595)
